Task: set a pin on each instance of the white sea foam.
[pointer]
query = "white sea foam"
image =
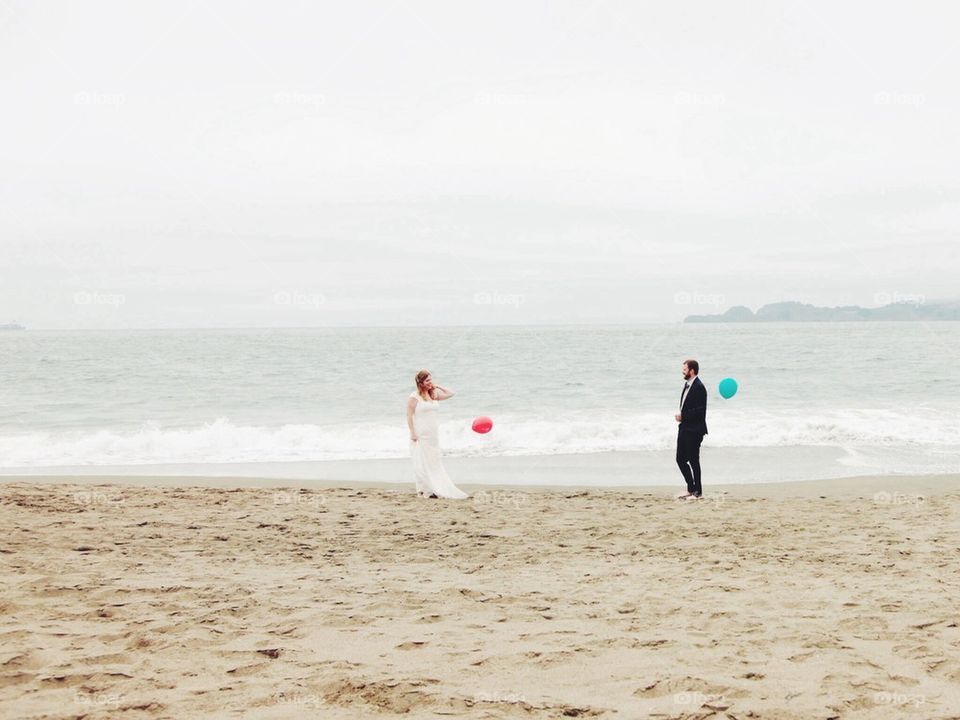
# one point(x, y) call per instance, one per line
point(223, 441)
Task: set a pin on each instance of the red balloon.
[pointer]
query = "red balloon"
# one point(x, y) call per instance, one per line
point(482, 425)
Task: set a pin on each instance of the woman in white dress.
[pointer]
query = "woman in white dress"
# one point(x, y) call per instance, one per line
point(423, 409)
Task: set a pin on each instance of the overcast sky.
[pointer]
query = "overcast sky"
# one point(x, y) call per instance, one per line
point(225, 163)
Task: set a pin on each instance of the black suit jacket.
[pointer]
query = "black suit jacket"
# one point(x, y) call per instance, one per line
point(693, 416)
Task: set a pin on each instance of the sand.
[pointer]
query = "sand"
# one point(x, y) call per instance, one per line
point(137, 601)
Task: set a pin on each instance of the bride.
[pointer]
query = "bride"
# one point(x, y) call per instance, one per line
point(422, 419)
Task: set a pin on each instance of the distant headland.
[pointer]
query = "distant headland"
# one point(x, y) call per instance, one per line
point(801, 312)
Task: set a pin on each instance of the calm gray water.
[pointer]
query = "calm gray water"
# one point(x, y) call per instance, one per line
point(873, 397)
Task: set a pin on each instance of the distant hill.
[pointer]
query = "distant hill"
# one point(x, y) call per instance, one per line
point(801, 312)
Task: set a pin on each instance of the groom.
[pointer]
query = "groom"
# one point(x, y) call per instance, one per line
point(693, 426)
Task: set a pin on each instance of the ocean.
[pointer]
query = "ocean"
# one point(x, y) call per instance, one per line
point(583, 405)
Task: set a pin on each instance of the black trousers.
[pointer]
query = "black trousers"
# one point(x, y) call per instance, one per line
point(688, 458)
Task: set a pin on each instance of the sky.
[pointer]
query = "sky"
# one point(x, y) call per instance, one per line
point(289, 164)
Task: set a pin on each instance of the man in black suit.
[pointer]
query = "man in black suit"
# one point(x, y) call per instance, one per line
point(693, 426)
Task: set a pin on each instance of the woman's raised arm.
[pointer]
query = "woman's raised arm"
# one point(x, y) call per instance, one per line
point(443, 393)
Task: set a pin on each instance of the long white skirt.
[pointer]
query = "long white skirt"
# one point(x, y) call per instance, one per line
point(429, 473)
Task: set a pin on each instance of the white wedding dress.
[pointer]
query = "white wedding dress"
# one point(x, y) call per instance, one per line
point(430, 476)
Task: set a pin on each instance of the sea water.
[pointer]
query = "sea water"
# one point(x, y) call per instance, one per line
point(814, 400)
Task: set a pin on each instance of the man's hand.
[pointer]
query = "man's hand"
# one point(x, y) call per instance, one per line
point(413, 438)
point(678, 416)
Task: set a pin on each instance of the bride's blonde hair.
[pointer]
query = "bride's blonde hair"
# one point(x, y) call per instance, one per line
point(419, 380)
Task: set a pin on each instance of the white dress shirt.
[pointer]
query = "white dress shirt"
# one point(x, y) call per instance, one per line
point(686, 391)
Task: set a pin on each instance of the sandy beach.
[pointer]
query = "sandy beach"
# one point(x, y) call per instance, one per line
point(190, 599)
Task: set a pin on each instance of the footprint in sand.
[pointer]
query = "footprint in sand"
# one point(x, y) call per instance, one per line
point(411, 645)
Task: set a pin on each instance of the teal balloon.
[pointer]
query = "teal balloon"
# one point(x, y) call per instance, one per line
point(728, 387)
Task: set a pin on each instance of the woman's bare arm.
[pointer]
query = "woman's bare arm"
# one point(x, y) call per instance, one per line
point(411, 407)
point(443, 393)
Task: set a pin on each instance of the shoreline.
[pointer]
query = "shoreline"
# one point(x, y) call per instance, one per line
point(723, 468)
point(862, 486)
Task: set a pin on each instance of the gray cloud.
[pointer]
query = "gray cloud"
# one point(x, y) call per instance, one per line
point(427, 162)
